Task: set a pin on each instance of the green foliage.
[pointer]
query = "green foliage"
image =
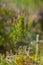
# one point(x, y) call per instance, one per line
point(18, 32)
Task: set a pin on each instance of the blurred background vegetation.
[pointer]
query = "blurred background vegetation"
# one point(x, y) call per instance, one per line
point(20, 22)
